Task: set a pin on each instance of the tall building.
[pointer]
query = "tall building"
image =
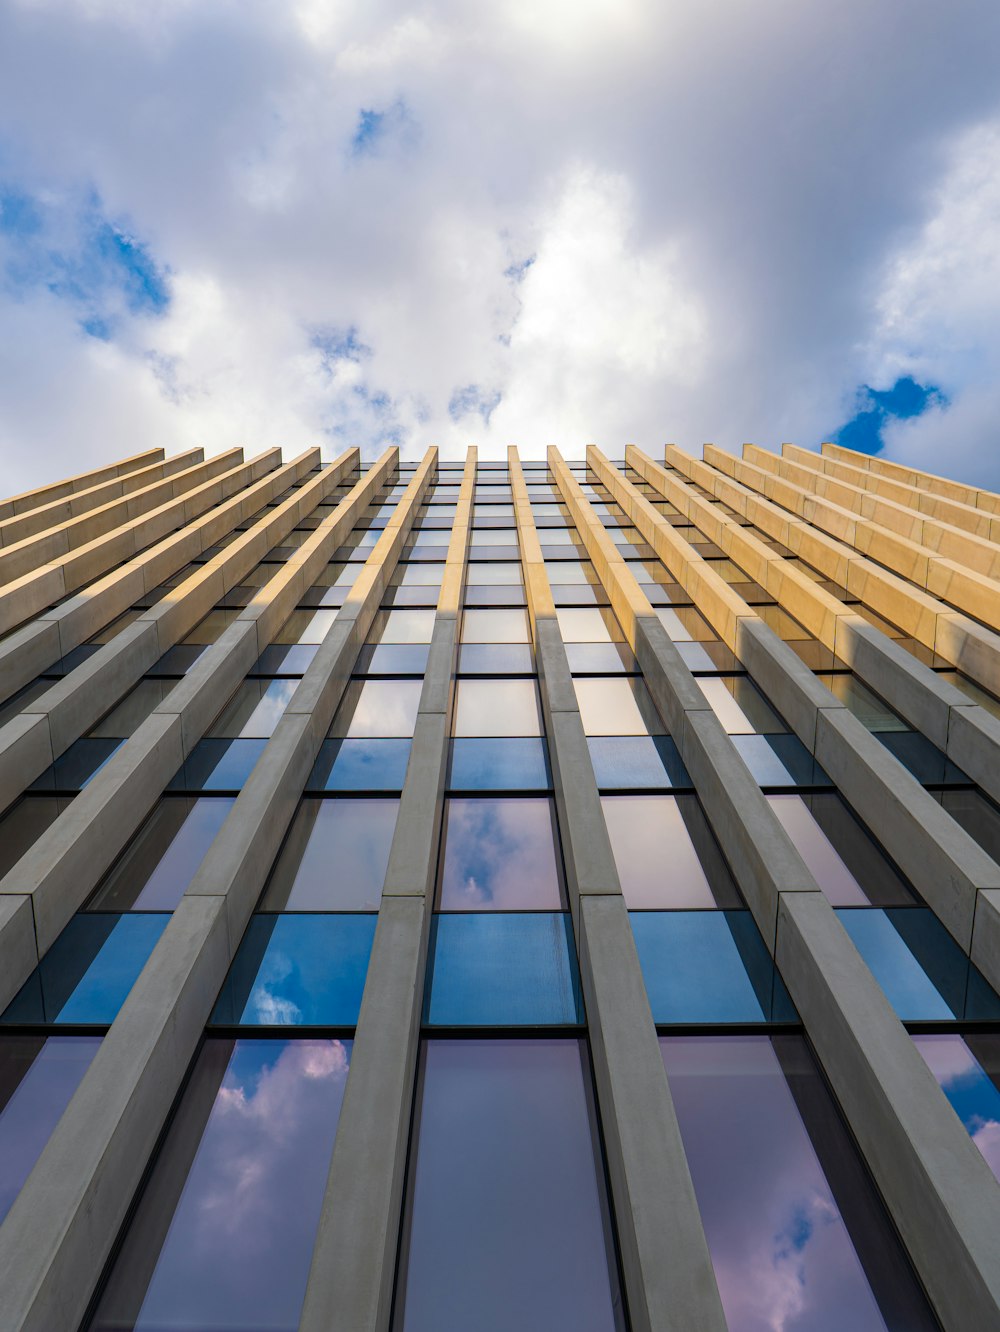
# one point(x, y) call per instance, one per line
point(477, 897)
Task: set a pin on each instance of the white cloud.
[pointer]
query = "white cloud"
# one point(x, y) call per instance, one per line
point(737, 214)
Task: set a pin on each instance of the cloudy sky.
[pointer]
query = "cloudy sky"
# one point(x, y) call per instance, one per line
point(531, 221)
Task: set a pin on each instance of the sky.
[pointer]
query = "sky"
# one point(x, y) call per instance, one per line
point(236, 222)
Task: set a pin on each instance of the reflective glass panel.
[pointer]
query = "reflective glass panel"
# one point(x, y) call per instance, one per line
point(775, 1177)
point(498, 764)
point(502, 969)
point(298, 970)
point(499, 855)
point(224, 1231)
point(968, 1071)
point(378, 708)
point(334, 857)
point(88, 972)
point(586, 624)
point(495, 626)
point(408, 626)
point(38, 1075)
point(616, 707)
point(156, 867)
point(495, 658)
point(23, 824)
point(218, 765)
point(665, 853)
point(497, 707)
point(834, 878)
point(360, 765)
point(636, 761)
point(255, 709)
point(499, 572)
point(739, 706)
point(506, 1221)
point(708, 966)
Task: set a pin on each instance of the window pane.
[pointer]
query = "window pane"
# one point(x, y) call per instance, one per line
point(255, 709)
point(88, 972)
point(968, 1071)
point(830, 872)
point(495, 658)
point(665, 853)
point(501, 572)
point(163, 858)
point(334, 857)
point(708, 966)
point(739, 706)
point(299, 970)
point(586, 624)
point(636, 761)
point(408, 626)
point(378, 708)
point(505, 1218)
point(616, 707)
point(360, 765)
point(499, 855)
point(519, 764)
point(224, 1232)
point(217, 765)
point(773, 1213)
point(38, 1075)
point(495, 626)
point(497, 969)
point(497, 707)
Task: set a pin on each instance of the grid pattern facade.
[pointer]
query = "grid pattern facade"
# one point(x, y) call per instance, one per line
point(538, 895)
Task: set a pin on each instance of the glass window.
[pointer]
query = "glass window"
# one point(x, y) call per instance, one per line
point(306, 626)
point(224, 1231)
point(378, 708)
point(81, 762)
point(506, 1220)
point(665, 853)
point(38, 1075)
point(360, 765)
point(739, 706)
point(87, 974)
point(866, 706)
point(498, 764)
point(407, 626)
point(587, 624)
point(24, 823)
point(776, 1176)
point(616, 707)
point(495, 659)
point(684, 624)
point(708, 966)
point(637, 762)
point(334, 857)
point(298, 970)
point(255, 709)
point(495, 626)
point(968, 1071)
point(218, 765)
point(497, 707)
point(848, 866)
point(499, 572)
point(779, 760)
point(499, 855)
point(155, 869)
point(134, 708)
point(502, 969)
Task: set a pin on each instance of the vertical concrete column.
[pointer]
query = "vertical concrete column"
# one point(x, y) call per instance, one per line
point(354, 1259)
point(57, 631)
point(668, 1274)
point(947, 865)
point(939, 1190)
point(60, 1230)
point(33, 499)
point(63, 865)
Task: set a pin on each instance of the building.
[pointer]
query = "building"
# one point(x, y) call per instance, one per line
point(484, 896)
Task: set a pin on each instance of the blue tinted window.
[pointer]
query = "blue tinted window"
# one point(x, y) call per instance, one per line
point(360, 765)
point(88, 972)
point(708, 966)
point(924, 760)
point(218, 765)
point(224, 1231)
point(924, 973)
point(394, 658)
point(499, 764)
point(636, 762)
point(38, 1075)
point(968, 1071)
point(285, 659)
point(74, 769)
point(298, 970)
point(501, 970)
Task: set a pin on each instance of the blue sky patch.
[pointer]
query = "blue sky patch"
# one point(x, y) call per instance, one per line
point(375, 130)
point(338, 344)
point(874, 408)
point(71, 248)
point(473, 400)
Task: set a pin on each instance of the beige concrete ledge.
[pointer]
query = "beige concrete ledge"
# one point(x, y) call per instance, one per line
point(33, 499)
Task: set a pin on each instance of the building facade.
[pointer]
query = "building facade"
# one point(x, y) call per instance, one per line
point(474, 896)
